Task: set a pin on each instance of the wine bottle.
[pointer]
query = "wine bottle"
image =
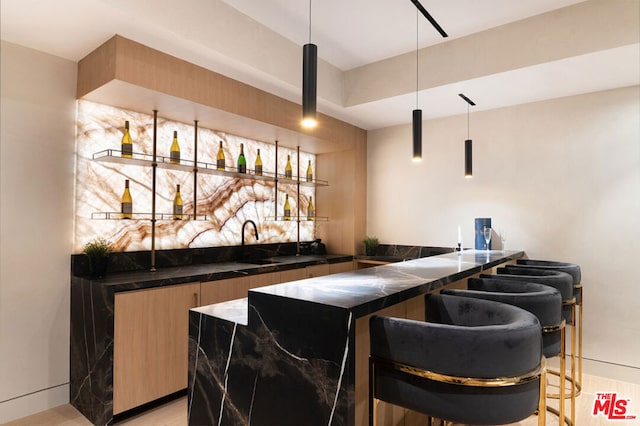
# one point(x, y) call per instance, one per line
point(127, 145)
point(177, 205)
point(309, 172)
point(220, 159)
point(258, 166)
point(242, 161)
point(174, 156)
point(287, 209)
point(126, 204)
point(311, 211)
point(288, 171)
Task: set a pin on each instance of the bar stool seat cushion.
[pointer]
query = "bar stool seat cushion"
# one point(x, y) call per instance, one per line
point(542, 301)
point(462, 337)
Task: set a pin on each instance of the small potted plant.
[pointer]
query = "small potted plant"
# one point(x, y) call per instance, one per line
point(370, 245)
point(98, 251)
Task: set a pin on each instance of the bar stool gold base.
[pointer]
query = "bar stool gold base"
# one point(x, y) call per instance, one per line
point(576, 330)
point(576, 352)
point(577, 386)
point(562, 373)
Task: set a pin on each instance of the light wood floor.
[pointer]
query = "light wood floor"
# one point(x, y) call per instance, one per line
point(174, 413)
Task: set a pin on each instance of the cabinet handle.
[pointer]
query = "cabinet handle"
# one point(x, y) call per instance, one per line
point(195, 300)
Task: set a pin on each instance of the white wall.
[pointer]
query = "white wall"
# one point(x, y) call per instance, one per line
point(561, 177)
point(36, 214)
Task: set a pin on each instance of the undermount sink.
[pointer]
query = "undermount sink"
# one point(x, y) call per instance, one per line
point(259, 261)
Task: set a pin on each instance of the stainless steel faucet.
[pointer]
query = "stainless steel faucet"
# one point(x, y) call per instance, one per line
point(255, 230)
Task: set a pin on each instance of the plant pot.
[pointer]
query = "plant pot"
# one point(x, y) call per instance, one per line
point(370, 250)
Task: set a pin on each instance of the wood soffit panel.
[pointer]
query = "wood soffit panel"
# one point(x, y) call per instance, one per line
point(127, 74)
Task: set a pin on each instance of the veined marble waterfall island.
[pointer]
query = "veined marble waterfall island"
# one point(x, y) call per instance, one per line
point(297, 353)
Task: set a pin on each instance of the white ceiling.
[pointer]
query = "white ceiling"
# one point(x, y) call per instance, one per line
point(349, 34)
point(352, 33)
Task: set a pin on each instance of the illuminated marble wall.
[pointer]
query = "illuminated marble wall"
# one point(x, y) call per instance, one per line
point(225, 201)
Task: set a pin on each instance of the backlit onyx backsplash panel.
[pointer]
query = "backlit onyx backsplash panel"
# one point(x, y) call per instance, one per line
point(226, 201)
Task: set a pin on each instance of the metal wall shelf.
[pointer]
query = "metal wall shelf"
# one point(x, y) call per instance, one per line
point(299, 219)
point(303, 182)
point(145, 216)
point(141, 159)
point(196, 167)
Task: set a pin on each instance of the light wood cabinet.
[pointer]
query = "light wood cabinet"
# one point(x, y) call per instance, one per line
point(336, 268)
point(223, 290)
point(366, 263)
point(150, 349)
point(261, 280)
point(293, 275)
point(312, 271)
point(318, 270)
point(151, 330)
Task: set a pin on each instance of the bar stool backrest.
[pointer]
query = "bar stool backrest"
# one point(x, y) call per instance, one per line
point(473, 361)
point(570, 268)
point(562, 281)
point(543, 301)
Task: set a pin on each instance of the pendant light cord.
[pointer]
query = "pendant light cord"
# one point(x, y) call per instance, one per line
point(417, 73)
point(468, 121)
point(309, 21)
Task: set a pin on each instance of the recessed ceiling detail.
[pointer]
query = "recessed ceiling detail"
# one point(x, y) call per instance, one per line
point(505, 52)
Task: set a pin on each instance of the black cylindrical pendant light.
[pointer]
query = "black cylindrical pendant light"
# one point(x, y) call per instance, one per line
point(417, 134)
point(468, 158)
point(309, 84)
point(468, 144)
point(417, 113)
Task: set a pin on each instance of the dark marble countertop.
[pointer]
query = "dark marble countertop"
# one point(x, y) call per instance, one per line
point(123, 281)
point(286, 344)
point(368, 290)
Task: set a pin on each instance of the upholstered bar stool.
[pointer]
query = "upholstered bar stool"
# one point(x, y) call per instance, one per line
point(573, 270)
point(564, 283)
point(576, 327)
point(543, 301)
point(472, 361)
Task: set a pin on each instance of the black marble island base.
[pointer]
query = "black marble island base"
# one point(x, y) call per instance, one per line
point(296, 353)
point(92, 319)
point(257, 379)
